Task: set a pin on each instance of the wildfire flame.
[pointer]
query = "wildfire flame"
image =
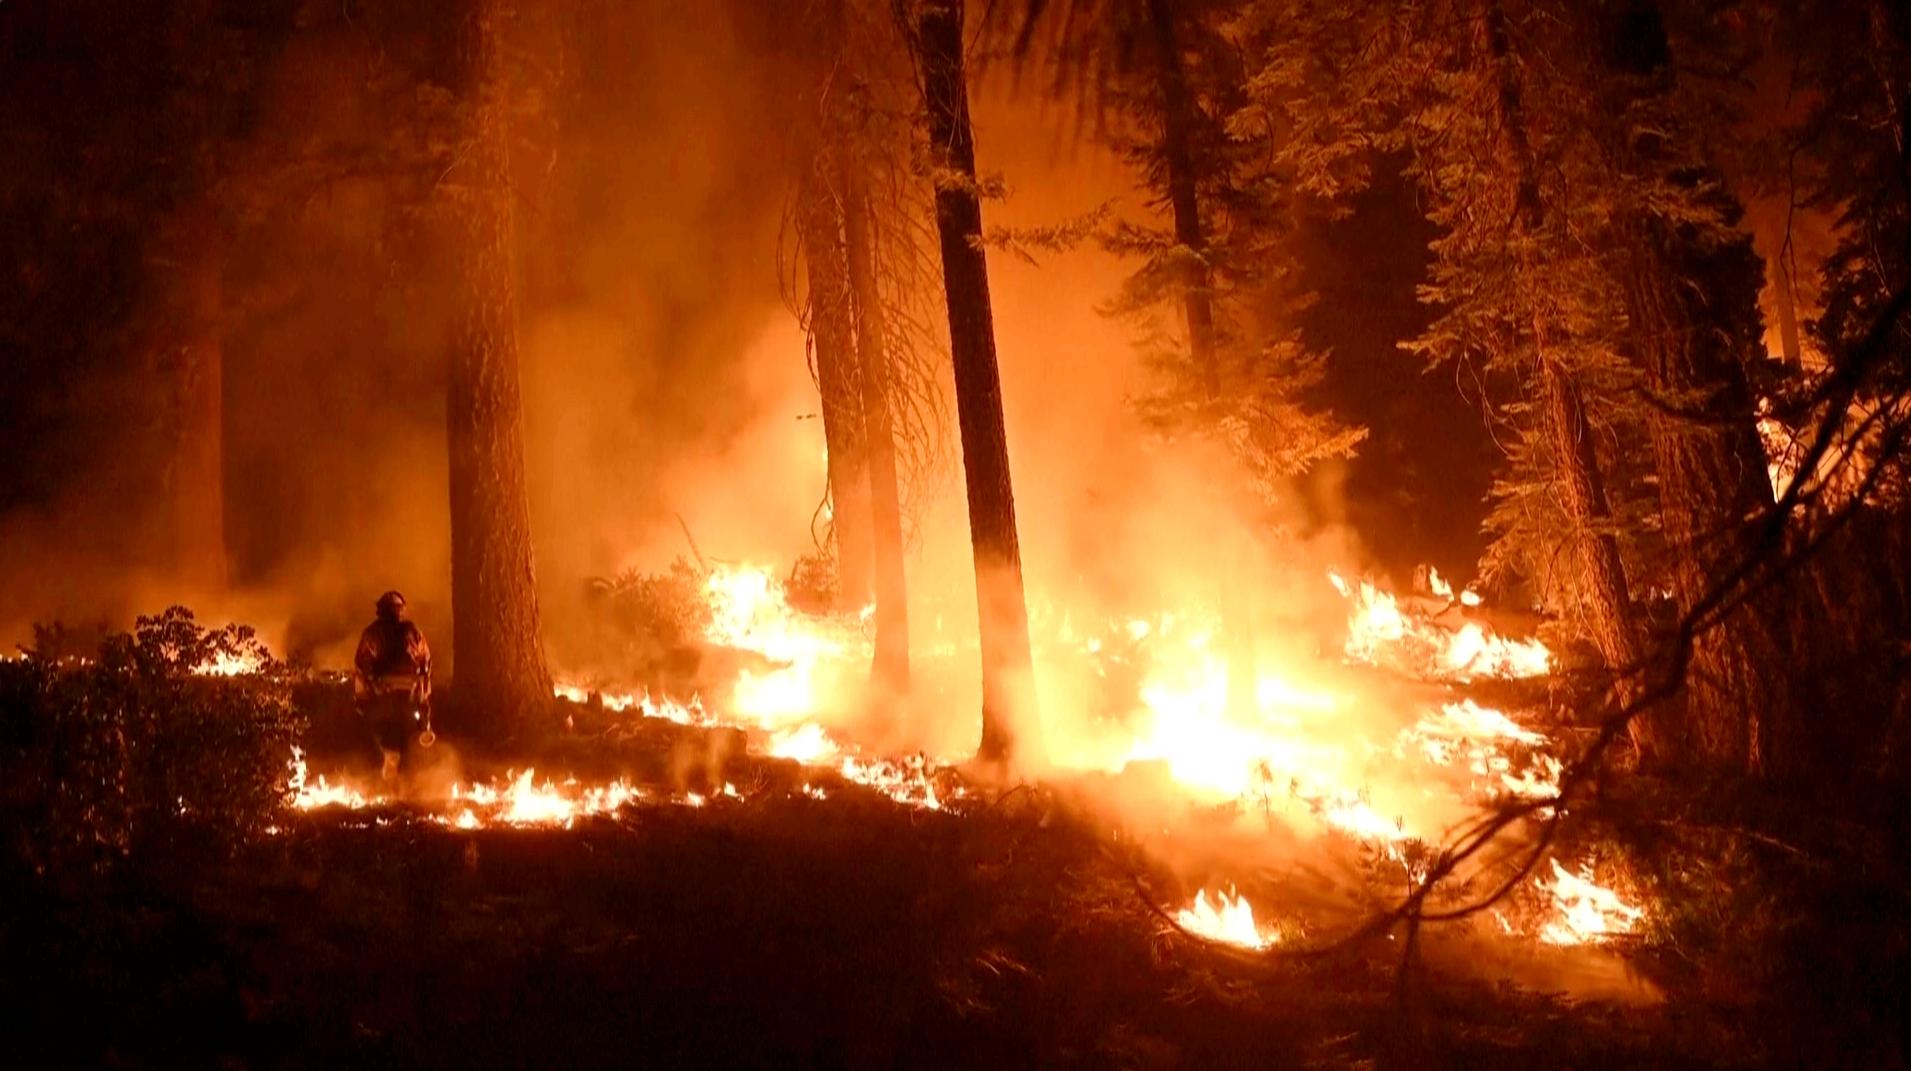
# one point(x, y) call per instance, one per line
point(1584, 911)
point(1310, 752)
point(312, 795)
point(1228, 919)
point(1380, 632)
point(230, 664)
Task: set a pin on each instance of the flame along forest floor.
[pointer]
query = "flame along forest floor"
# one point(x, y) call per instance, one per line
point(774, 931)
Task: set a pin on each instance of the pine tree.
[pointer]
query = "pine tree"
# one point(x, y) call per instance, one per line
point(838, 374)
point(867, 279)
point(212, 66)
point(874, 348)
point(1159, 80)
point(1474, 91)
point(501, 675)
point(1007, 672)
point(1690, 282)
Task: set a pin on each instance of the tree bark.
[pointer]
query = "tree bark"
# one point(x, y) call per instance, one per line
point(839, 384)
point(1786, 302)
point(1007, 674)
point(501, 677)
point(1568, 433)
point(191, 260)
point(1691, 303)
point(1713, 489)
point(1608, 592)
point(891, 668)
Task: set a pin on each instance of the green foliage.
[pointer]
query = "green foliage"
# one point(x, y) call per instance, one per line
point(643, 616)
point(134, 749)
point(1166, 87)
point(1516, 154)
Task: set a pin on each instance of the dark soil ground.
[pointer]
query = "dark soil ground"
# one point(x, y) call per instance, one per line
point(777, 932)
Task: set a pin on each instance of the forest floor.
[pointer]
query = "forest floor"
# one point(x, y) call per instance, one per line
point(788, 934)
point(772, 931)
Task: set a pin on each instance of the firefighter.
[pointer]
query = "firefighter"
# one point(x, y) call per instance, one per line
point(391, 682)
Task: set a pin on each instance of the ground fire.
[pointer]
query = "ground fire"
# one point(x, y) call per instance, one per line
point(1290, 755)
point(955, 533)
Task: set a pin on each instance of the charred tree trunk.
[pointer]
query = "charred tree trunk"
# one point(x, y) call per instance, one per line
point(1007, 674)
point(191, 260)
point(502, 680)
point(839, 383)
point(1608, 595)
point(891, 668)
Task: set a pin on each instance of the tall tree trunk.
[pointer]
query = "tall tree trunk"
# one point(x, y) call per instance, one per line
point(1691, 303)
point(839, 383)
point(502, 680)
point(1177, 124)
point(1197, 310)
point(1007, 673)
point(190, 258)
point(1575, 460)
point(1606, 590)
point(1712, 490)
point(891, 668)
point(1786, 302)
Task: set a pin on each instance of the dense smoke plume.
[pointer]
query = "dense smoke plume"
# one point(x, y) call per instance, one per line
point(666, 390)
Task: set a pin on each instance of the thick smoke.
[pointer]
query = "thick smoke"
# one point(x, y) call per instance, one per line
point(664, 379)
point(661, 377)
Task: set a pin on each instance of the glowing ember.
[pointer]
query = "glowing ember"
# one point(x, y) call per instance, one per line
point(1228, 919)
point(691, 713)
point(1584, 910)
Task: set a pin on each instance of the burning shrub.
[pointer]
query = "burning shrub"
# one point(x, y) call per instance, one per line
point(167, 735)
point(812, 587)
point(647, 621)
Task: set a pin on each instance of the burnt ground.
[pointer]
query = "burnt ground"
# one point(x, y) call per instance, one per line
point(778, 931)
point(772, 931)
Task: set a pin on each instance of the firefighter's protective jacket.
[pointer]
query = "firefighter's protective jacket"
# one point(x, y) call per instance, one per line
point(392, 659)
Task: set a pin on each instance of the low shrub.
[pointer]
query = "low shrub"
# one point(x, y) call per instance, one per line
point(169, 736)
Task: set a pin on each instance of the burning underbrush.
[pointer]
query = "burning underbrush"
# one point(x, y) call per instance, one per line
point(1299, 802)
point(1136, 879)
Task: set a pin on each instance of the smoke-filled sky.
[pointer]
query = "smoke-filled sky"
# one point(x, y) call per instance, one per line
point(664, 375)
